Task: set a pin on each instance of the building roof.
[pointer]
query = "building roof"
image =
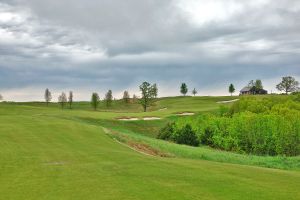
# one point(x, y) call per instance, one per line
point(246, 89)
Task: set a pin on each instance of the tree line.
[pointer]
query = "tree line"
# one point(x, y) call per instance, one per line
point(150, 91)
point(287, 85)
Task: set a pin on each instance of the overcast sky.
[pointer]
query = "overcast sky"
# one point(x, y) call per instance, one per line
point(87, 46)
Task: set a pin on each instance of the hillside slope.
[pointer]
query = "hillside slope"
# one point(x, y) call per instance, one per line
point(47, 153)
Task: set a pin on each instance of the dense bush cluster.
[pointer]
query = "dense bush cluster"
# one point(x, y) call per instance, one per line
point(269, 126)
point(184, 135)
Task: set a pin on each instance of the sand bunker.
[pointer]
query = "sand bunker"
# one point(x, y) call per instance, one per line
point(185, 114)
point(151, 118)
point(136, 119)
point(162, 109)
point(230, 101)
point(128, 119)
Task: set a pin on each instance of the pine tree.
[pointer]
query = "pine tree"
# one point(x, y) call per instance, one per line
point(231, 89)
point(95, 100)
point(183, 89)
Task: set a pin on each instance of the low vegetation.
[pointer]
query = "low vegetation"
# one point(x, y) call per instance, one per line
point(268, 126)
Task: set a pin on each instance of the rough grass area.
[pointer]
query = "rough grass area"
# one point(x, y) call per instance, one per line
point(207, 153)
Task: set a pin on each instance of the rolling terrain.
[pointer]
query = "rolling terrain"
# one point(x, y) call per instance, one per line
point(49, 153)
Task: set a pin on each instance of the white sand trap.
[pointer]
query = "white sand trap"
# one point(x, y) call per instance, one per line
point(129, 119)
point(185, 114)
point(230, 101)
point(162, 109)
point(151, 118)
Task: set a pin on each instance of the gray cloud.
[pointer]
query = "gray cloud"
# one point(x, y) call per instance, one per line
point(96, 45)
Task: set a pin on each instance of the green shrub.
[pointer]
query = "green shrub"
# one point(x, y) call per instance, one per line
point(187, 136)
point(223, 110)
point(206, 137)
point(166, 132)
point(268, 126)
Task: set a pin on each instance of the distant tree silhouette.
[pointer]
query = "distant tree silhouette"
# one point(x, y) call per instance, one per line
point(194, 92)
point(155, 90)
point(134, 98)
point(1, 97)
point(108, 98)
point(70, 99)
point(48, 96)
point(62, 100)
point(95, 100)
point(126, 97)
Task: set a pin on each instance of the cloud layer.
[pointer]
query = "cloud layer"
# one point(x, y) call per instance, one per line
point(88, 46)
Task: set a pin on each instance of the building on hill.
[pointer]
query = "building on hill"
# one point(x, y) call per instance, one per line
point(246, 90)
point(252, 91)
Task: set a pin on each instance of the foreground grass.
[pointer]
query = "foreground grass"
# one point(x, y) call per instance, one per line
point(46, 153)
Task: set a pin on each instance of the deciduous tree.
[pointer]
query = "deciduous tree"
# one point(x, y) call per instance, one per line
point(62, 100)
point(251, 83)
point(256, 86)
point(259, 85)
point(147, 94)
point(288, 84)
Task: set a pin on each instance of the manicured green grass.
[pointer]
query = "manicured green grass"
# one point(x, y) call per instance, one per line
point(48, 153)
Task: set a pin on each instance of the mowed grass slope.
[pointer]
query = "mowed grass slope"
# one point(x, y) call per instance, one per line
point(47, 153)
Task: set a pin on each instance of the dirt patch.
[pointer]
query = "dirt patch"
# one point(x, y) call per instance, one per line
point(146, 149)
point(185, 114)
point(230, 101)
point(134, 145)
point(151, 118)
